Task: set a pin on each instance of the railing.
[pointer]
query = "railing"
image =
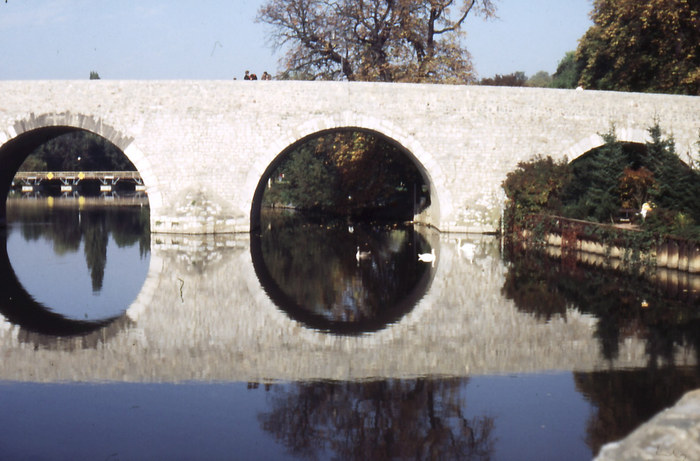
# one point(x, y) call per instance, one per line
point(29, 176)
point(611, 241)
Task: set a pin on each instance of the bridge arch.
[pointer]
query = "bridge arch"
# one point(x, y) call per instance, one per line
point(587, 144)
point(428, 167)
point(28, 133)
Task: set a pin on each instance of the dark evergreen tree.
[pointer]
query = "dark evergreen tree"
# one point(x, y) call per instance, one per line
point(593, 193)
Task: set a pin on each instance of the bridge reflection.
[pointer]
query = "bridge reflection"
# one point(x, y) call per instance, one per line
point(326, 283)
point(202, 314)
point(37, 321)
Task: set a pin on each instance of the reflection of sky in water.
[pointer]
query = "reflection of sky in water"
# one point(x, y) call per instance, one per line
point(539, 416)
point(62, 283)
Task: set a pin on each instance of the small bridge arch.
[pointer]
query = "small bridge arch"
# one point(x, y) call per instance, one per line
point(28, 133)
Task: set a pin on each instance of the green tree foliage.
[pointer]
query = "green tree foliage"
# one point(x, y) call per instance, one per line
point(94, 75)
point(593, 192)
point(568, 72)
point(514, 79)
point(647, 46)
point(536, 186)
point(374, 40)
point(541, 79)
point(347, 172)
point(306, 180)
point(77, 151)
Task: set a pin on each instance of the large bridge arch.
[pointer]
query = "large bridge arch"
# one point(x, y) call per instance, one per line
point(28, 133)
point(441, 201)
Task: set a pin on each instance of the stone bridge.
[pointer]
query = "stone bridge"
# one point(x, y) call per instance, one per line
point(206, 148)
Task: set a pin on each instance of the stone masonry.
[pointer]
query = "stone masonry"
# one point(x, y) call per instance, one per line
point(205, 147)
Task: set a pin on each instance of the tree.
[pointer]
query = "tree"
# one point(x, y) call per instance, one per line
point(635, 186)
point(374, 40)
point(568, 72)
point(348, 172)
point(536, 186)
point(649, 46)
point(594, 191)
point(514, 79)
point(94, 75)
point(541, 79)
point(678, 185)
point(78, 150)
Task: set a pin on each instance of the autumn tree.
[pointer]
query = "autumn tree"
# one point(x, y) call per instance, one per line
point(635, 186)
point(646, 46)
point(536, 186)
point(374, 40)
point(348, 172)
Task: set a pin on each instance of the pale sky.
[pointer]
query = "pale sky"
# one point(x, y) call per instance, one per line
point(215, 40)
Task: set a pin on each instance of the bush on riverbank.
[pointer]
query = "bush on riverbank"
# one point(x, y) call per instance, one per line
point(608, 185)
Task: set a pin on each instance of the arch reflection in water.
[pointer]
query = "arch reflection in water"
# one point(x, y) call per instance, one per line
point(310, 269)
point(54, 273)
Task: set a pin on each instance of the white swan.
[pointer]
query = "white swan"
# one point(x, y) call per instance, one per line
point(467, 248)
point(362, 254)
point(427, 257)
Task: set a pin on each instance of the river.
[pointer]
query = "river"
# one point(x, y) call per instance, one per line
point(320, 340)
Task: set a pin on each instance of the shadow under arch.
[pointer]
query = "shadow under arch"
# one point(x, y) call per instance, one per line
point(20, 308)
point(389, 314)
point(433, 210)
point(33, 131)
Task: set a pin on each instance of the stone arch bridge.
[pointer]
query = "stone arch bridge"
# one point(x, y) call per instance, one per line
point(205, 148)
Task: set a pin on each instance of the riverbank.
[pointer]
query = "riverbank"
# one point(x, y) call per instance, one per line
point(611, 245)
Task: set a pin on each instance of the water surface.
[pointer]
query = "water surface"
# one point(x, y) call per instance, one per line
point(285, 345)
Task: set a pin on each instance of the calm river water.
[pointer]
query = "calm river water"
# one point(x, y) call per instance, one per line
point(320, 340)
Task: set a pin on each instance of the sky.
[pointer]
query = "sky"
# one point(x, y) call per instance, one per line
point(219, 40)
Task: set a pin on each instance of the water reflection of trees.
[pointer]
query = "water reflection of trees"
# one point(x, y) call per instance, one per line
point(41, 326)
point(310, 268)
point(392, 419)
point(67, 227)
point(624, 305)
